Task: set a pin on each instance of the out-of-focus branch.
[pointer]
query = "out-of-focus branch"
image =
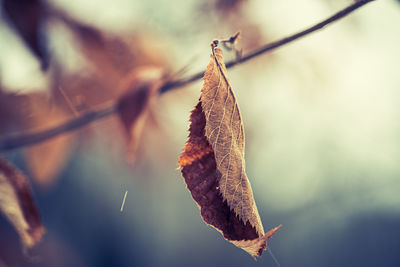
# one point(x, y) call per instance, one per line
point(26, 139)
point(20, 140)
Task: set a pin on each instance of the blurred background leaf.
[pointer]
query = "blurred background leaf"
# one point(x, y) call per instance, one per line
point(27, 17)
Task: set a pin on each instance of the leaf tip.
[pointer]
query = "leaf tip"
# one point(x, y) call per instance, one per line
point(18, 206)
point(266, 236)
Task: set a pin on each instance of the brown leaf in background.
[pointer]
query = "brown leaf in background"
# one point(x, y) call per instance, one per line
point(47, 159)
point(34, 112)
point(213, 163)
point(18, 206)
point(112, 58)
point(107, 53)
point(111, 53)
point(227, 6)
point(133, 106)
point(28, 16)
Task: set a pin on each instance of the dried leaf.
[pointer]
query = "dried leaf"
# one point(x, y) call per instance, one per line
point(36, 111)
point(28, 16)
point(111, 59)
point(213, 163)
point(100, 48)
point(133, 105)
point(114, 54)
point(47, 159)
point(17, 204)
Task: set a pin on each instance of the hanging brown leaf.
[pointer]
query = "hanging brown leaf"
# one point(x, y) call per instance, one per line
point(213, 163)
point(133, 106)
point(28, 16)
point(17, 204)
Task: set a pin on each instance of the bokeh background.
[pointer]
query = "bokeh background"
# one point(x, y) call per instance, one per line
point(321, 117)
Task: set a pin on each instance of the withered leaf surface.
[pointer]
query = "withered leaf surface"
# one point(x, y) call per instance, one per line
point(213, 163)
point(46, 160)
point(33, 112)
point(17, 204)
point(133, 105)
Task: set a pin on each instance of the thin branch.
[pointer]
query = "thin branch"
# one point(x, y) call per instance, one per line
point(20, 140)
point(271, 46)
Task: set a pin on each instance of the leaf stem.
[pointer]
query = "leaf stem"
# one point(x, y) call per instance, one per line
point(26, 139)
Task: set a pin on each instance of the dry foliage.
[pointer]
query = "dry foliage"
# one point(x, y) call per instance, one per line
point(125, 76)
point(119, 56)
point(213, 163)
point(35, 112)
point(18, 206)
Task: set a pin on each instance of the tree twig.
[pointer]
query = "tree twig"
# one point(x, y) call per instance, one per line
point(271, 46)
point(20, 140)
point(25, 139)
